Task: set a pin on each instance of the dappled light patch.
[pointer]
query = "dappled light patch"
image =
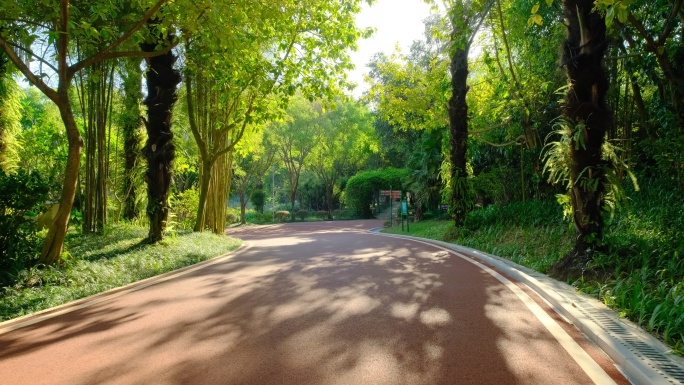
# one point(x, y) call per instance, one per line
point(405, 311)
point(286, 241)
point(329, 308)
point(435, 317)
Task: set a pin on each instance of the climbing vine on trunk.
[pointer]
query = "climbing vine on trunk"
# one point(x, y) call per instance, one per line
point(466, 18)
point(162, 84)
point(587, 118)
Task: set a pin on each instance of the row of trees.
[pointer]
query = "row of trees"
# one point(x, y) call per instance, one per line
point(621, 82)
point(323, 142)
point(525, 119)
point(240, 61)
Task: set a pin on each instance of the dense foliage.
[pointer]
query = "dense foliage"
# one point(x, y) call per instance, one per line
point(21, 195)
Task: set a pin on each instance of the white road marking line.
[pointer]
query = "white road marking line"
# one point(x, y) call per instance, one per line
point(590, 367)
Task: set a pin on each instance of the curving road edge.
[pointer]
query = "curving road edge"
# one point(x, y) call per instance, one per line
point(642, 358)
point(33, 318)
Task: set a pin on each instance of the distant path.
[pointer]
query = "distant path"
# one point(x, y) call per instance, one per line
point(309, 303)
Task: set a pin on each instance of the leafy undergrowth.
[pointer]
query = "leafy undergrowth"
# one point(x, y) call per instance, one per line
point(531, 234)
point(644, 259)
point(102, 262)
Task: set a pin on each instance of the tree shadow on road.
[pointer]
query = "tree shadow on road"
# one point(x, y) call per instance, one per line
point(340, 308)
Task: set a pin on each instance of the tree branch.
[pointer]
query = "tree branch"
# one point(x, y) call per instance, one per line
point(518, 142)
point(492, 128)
point(36, 56)
point(201, 145)
point(63, 45)
point(105, 53)
point(650, 44)
point(116, 55)
point(669, 24)
point(26, 71)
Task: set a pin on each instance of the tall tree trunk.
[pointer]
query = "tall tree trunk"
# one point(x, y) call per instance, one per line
point(219, 192)
point(243, 208)
point(205, 181)
point(162, 83)
point(329, 198)
point(96, 101)
point(457, 110)
point(130, 125)
point(587, 111)
point(54, 240)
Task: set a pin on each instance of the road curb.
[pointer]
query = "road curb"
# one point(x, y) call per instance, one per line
point(33, 318)
point(643, 358)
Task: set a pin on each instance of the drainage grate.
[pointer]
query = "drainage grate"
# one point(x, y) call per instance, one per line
point(670, 370)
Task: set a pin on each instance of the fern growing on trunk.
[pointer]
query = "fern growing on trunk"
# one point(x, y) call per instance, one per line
point(582, 157)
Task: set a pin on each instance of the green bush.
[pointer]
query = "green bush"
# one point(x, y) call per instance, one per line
point(264, 217)
point(232, 215)
point(184, 206)
point(258, 200)
point(257, 217)
point(321, 214)
point(362, 188)
point(302, 214)
point(282, 215)
point(344, 214)
point(20, 197)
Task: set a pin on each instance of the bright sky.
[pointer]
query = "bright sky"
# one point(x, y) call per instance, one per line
point(395, 22)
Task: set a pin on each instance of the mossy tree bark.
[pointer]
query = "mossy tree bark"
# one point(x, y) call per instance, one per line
point(131, 125)
point(457, 110)
point(162, 84)
point(587, 112)
point(466, 18)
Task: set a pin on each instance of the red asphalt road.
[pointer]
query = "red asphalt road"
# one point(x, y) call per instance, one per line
point(322, 303)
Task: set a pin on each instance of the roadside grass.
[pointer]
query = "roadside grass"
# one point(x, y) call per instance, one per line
point(531, 234)
point(645, 257)
point(101, 262)
point(643, 262)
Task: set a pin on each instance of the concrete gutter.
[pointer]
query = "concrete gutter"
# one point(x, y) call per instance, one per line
point(642, 357)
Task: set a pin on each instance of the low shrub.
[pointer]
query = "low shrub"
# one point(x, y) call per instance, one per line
point(302, 214)
point(345, 214)
point(321, 214)
point(257, 217)
point(282, 215)
point(232, 215)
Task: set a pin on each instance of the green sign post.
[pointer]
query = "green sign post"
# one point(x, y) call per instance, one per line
point(404, 214)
